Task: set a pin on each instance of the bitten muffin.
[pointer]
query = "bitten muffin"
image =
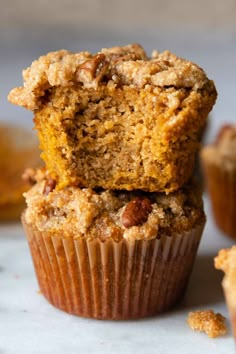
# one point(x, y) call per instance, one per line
point(226, 261)
point(18, 150)
point(117, 119)
point(219, 167)
point(112, 254)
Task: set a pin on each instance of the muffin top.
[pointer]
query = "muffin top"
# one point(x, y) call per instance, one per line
point(103, 214)
point(128, 65)
point(226, 261)
point(224, 147)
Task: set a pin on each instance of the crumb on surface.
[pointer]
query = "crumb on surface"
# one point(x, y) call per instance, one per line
point(213, 324)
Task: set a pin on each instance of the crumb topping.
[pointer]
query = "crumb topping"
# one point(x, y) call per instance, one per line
point(100, 214)
point(128, 65)
point(213, 324)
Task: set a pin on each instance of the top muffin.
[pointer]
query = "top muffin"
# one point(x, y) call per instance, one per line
point(117, 119)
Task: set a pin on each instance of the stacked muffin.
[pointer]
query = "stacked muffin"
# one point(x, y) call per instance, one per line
point(114, 221)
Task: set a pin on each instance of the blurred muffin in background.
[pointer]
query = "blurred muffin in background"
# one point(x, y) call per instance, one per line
point(219, 168)
point(226, 261)
point(18, 150)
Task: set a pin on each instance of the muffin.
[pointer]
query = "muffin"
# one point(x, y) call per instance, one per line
point(117, 119)
point(18, 150)
point(226, 261)
point(112, 254)
point(219, 168)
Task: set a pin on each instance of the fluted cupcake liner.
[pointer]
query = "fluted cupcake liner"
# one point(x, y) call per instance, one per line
point(112, 280)
point(221, 184)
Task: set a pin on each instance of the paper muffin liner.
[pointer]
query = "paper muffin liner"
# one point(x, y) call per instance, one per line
point(221, 185)
point(112, 280)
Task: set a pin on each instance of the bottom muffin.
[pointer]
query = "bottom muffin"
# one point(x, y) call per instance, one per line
point(226, 261)
point(112, 255)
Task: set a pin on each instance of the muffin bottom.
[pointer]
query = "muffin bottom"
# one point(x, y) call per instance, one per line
point(112, 280)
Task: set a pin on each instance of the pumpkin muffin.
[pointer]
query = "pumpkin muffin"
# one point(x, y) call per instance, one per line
point(117, 119)
point(219, 167)
point(112, 254)
point(18, 150)
point(226, 261)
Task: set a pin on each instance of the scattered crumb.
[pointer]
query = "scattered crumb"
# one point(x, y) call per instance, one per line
point(39, 292)
point(207, 321)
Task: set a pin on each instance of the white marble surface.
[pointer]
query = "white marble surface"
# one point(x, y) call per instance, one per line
point(28, 324)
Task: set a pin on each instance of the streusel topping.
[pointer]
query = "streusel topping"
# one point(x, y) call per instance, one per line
point(112, 214)
point(128, 65)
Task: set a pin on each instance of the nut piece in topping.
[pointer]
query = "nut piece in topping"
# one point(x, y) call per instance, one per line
point(92, 70)
point(207, 321)
point(136, 212)
point(49, 186)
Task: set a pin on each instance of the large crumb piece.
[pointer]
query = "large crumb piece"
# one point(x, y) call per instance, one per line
point(213, 324)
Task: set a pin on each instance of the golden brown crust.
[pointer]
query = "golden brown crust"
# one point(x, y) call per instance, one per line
point(127, 65)
point(84, 213)
point(209, 322)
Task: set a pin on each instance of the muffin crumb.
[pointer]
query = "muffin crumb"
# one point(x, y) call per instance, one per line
point(213, 324)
